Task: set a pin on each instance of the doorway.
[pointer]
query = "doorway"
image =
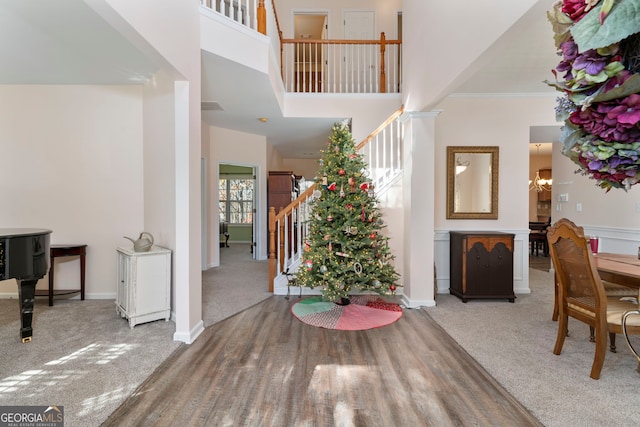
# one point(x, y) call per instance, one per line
point(237, 208)
point(540, 181)
point(310, 59)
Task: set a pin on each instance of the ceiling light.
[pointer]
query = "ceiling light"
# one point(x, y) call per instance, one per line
point(461, 166)
point(263, 119)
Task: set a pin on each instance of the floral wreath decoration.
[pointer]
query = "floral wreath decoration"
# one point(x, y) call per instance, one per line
point(599, 75)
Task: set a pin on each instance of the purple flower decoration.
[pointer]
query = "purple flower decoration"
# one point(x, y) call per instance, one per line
point(628, 112)
point(569, 50)
point(591, 62)
point(602, 122)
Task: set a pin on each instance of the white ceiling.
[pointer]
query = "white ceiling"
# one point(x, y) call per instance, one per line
point(66, 42)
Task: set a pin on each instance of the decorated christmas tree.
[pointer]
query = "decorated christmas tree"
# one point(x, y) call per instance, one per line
point(345, 250)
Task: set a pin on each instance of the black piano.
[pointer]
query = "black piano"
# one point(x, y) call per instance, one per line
point(24, 256)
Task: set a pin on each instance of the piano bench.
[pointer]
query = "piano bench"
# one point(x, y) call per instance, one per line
point(56, 251)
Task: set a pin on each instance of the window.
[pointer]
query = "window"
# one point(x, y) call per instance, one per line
point(236, 201)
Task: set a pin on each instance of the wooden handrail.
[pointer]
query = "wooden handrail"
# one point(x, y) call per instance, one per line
point(384, 124)
point(331, 41)
point(307, 193)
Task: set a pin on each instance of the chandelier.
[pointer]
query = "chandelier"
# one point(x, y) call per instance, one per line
point(539, 184)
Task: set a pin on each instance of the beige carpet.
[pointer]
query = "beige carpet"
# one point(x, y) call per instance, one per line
point(514, 342)
point(86, 358)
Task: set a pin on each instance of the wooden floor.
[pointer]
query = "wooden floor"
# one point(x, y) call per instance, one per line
point(540, 262)
point(264, 367)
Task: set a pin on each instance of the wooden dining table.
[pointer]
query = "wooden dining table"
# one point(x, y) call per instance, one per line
point(622, 269)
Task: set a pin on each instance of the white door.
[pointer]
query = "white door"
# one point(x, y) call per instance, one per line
point(360, 61)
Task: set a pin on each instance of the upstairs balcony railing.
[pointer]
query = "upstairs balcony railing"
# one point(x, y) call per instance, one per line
point(320, 66)
point(341, 66)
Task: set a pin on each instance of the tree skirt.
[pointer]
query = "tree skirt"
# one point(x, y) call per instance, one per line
point(364, 312)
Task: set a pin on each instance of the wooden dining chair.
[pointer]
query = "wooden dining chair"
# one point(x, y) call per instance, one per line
point(581, 294)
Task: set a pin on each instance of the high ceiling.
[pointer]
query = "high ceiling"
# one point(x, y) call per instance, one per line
point(66, 42)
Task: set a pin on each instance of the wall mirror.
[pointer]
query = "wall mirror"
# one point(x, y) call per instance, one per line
point(472, 182)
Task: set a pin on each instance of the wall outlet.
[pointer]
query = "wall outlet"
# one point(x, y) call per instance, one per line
point(578, 207)
point(563, 197)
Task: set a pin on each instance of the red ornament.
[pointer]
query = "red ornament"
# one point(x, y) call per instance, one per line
point(373, 235)
point(364, 186)
point(352, 156)
point(341, 172)
point(332, 186)
point(349, 206)
point(392, 288)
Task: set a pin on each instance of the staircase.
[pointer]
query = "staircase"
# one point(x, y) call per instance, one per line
point(287, 229)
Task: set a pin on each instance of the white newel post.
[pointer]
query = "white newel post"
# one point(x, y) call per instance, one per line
point(419, 205)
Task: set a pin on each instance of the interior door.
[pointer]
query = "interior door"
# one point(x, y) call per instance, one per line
point(360, 61)
point(310, 59)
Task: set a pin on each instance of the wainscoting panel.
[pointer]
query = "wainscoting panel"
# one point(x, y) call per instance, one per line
point(520, 260)
point(615, 240)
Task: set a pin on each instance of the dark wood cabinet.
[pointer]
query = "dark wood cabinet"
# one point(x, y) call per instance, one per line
point(481, 265)
point(281, 189)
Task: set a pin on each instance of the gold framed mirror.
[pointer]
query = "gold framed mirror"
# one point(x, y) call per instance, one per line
point(472, 182)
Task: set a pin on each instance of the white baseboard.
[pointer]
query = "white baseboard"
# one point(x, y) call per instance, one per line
point(191, 336)
point(411, 303)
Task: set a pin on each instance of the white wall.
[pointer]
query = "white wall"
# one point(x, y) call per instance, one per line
point(441, 34)
point(491, 121)
point(308, 168)
point(367, 111)
point(72, 163)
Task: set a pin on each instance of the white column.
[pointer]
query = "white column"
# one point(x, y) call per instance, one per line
point(419, 205)
point(188, 275)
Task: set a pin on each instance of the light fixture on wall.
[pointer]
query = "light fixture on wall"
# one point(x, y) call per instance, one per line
point(539, 184)
point(461, 166)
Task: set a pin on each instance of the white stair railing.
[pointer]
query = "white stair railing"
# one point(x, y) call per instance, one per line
point(382, 150)
point(242, 11)
point(287, 233)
